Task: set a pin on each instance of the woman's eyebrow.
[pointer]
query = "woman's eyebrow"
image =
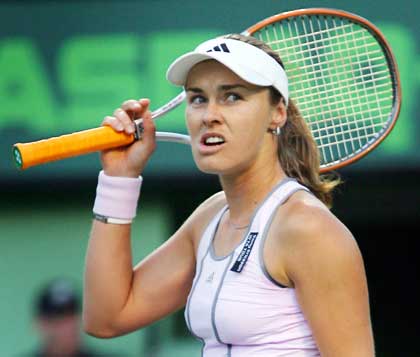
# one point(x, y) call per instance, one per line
point(221, 88)
point(226, 87)
point(193, 89)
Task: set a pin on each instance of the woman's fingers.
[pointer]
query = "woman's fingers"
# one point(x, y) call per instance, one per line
point(149, 132)
point(130, 160)
point(126, 119)
point(113, 122)
point(131, 105)
point(136, 108)
point(123, 117)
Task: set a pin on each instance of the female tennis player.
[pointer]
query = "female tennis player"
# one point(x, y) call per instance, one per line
point(263, 268)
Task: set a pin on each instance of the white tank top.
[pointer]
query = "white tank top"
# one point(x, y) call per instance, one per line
point(235, 308)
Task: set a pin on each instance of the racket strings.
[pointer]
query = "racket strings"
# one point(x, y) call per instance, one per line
point(351, 92)
point(355, 112)
point(362, 134)
point(334, 131)
point(350, 129)
point(295, 72)
point(339, 78)
point(291, 42)
point(372, 74)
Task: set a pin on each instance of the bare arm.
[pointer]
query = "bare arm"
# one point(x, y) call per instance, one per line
point(117, 298)
point(327, 270)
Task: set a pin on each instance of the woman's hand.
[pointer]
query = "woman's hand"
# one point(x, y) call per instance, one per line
point(129, 161)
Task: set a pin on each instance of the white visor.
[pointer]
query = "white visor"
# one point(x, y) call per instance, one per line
point(247, 61)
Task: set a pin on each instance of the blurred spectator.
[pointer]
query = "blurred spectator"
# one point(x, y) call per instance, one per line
point(57, 315)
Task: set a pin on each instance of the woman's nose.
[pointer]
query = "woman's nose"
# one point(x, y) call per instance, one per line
point(212, 114)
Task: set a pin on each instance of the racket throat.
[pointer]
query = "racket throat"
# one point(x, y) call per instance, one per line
point(139, 129)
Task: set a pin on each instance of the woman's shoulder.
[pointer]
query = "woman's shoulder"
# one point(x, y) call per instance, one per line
point(304, 207)
point(305, 230)
point(205, 212)
point(307, 224)
point(213, 203)
point(304, 221)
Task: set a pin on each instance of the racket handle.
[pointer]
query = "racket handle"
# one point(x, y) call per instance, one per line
point(65, 146)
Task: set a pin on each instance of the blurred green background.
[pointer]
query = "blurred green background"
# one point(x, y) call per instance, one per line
point(64, 65)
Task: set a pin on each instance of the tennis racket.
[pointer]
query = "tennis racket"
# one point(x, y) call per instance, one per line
point(342, 76)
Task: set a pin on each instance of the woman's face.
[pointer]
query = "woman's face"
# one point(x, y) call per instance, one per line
point(229, 120)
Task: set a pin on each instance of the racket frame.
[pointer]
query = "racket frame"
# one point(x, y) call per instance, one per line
point(392, 65)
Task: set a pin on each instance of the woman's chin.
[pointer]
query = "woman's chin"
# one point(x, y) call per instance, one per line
point(210, 169)
point(216, 167)
point(210, 165)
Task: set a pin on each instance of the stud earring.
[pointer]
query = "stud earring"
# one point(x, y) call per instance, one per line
point(276, 131)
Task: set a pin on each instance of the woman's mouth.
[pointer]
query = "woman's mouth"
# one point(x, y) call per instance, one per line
point(211, 142)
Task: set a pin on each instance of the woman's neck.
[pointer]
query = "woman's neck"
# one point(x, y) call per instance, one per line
point(245, 191)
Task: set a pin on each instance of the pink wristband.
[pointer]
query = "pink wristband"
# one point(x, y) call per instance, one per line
point(117, 197)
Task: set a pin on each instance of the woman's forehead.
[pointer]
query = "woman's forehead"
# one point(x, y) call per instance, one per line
point(211, 71)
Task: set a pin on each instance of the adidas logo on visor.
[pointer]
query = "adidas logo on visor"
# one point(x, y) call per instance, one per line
point(220, 48)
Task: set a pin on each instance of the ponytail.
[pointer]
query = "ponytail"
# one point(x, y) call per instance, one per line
point(299, 156)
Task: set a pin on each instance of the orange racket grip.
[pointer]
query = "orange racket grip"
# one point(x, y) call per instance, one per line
point(65, 146)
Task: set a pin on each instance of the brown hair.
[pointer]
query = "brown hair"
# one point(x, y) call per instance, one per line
point(297, 150)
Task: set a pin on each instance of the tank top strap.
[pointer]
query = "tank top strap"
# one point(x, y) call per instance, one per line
point(277, 197)
point(208, 234)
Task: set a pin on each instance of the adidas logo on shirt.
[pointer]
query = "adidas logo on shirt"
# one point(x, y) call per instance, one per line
point(210, 278)
point(220, 48)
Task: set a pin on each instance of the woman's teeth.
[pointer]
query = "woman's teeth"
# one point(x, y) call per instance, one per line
point(212, 140)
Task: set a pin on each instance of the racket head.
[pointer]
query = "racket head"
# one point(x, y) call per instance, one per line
point(343, 77)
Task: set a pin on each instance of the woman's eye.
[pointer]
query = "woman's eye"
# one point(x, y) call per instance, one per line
point(232, 97)
point(197, 99)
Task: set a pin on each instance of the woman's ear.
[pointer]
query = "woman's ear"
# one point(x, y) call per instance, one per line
point(279, 115)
